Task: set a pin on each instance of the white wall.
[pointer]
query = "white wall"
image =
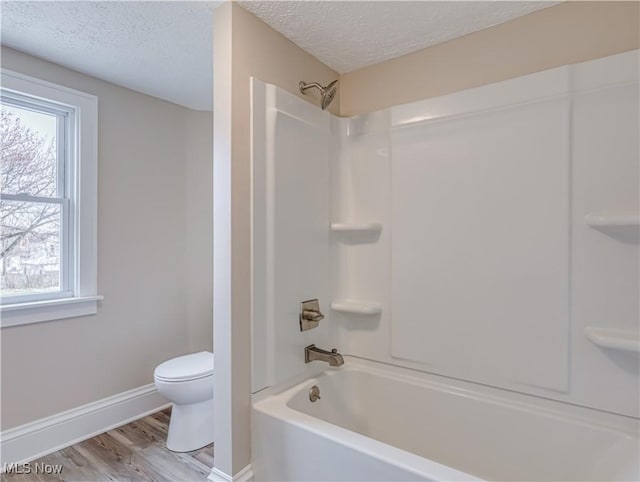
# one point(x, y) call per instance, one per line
point(153, 168)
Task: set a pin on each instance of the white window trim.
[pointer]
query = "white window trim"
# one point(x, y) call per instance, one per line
point(85, 185)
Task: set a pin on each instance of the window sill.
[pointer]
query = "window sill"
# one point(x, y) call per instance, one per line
point(48, 310)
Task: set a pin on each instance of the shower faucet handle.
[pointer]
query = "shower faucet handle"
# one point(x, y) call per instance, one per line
point(310, 314)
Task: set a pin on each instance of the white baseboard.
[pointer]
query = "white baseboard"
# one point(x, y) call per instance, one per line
point(30, 441)
point(245, 475)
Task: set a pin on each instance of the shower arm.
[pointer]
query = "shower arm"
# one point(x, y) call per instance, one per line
point(304, 86)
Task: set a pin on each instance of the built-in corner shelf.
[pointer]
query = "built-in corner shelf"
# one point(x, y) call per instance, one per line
point(613, 220)
point(614, 339)
point(357, 307)
point(364, 228)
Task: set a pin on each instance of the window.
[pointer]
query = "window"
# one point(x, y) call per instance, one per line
point(35, 203)
point(47, 201)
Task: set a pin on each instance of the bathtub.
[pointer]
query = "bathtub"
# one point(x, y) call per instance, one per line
point(383, 423)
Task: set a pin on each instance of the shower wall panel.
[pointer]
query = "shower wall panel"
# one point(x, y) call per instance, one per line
point(508, 253)
point(480, 225)
point(290, 243)
point(489, 235)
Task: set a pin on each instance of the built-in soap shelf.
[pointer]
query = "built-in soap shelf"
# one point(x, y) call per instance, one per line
point(357, 307)
point(614, 339)
point(363, 228)
point(613, 220)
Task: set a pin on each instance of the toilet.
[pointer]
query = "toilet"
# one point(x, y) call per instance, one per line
point(187, 381)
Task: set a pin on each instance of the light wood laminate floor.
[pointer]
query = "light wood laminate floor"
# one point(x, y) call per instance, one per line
point(133, 452)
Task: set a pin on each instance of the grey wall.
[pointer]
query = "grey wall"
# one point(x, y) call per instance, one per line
point(199, 234)
point(154, 257)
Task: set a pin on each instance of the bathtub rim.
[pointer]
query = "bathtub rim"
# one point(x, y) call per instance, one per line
point(559, 410)
point(274, 402)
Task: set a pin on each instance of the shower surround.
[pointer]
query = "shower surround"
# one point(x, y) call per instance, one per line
point(487, 238)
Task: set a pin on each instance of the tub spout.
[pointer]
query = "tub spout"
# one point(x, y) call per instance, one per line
point(333, 358)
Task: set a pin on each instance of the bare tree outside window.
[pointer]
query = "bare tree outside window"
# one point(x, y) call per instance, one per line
point(30, 229)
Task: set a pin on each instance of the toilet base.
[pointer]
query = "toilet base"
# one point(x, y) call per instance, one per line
point(191, 426)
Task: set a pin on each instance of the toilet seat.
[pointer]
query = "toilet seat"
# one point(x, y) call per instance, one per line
point(185, 368)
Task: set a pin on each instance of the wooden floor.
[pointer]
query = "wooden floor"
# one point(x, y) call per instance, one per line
point(133, 452)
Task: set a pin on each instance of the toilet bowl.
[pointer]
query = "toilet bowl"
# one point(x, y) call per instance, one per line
point(187, 381)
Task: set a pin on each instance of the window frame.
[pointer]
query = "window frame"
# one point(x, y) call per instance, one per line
point(80, 109)
point(65, 118)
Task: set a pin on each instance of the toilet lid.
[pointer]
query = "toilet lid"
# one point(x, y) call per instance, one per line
point(187, 367)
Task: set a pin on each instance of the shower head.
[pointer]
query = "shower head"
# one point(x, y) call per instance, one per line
point(326, 93)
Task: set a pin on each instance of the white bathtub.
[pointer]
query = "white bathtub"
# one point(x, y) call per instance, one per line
point(376, 422)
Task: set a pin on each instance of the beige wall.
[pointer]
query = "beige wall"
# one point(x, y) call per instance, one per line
point(567, 33)
point(146, 165)
point(243, 47)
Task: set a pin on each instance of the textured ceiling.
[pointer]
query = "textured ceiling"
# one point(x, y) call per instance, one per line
point(162, 49)
point(348, 35)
